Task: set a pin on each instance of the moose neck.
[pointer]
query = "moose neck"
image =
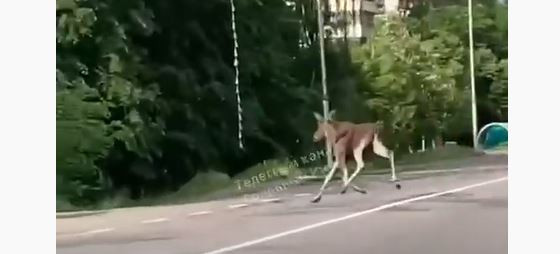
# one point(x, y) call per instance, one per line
point(330, 131)
point(334, 124)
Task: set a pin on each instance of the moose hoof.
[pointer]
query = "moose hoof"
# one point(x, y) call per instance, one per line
point(316, 199)
point(398, 186)
point(343, 191)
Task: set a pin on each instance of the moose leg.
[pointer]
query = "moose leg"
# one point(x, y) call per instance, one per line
point(340, 161)
point(392, 159)
point(381, 150)
point(345, 179)
point(358, 151)
point(393, 174)
point(327, 180)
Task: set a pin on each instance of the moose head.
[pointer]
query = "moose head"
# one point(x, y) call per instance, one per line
point(322, 123)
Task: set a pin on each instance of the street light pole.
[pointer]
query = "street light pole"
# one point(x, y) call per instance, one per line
point(473, 90)
point(324, 78)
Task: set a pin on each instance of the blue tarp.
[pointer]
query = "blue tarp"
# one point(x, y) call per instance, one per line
point(493, 135)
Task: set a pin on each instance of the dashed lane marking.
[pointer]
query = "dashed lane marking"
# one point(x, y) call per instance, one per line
point(154, 221)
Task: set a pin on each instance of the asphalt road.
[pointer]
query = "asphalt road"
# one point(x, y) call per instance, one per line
point(459, 213)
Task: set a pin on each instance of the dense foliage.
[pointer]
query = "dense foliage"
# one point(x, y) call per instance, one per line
point(146, 96)
point(416, 72)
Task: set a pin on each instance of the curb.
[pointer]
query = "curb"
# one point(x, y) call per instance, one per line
point(64, 215)
point(496, 152)
point(408, 172)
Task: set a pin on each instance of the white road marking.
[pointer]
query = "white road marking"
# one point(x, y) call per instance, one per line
point(270, 200)
point(200, 213)
point(96, 231)
point(350, 216)
point(154, 220)
point(431, 171)
point(238, 206)
point(303, 194)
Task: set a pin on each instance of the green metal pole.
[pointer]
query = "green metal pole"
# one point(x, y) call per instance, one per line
point(324, 78)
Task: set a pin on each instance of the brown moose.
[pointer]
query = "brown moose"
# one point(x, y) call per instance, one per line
point(345, 138)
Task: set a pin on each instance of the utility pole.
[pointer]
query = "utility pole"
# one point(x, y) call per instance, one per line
point(473, 90)
point(324, 78)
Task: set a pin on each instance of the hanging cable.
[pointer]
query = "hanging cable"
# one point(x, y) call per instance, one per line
point(236, 66)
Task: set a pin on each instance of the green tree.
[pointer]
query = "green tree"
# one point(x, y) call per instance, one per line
point(411, 84)
point(98, 88)
point(490, 38)
point(147, 87)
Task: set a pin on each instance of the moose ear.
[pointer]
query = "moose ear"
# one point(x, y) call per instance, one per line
point(317, 116)
point(331, 115)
